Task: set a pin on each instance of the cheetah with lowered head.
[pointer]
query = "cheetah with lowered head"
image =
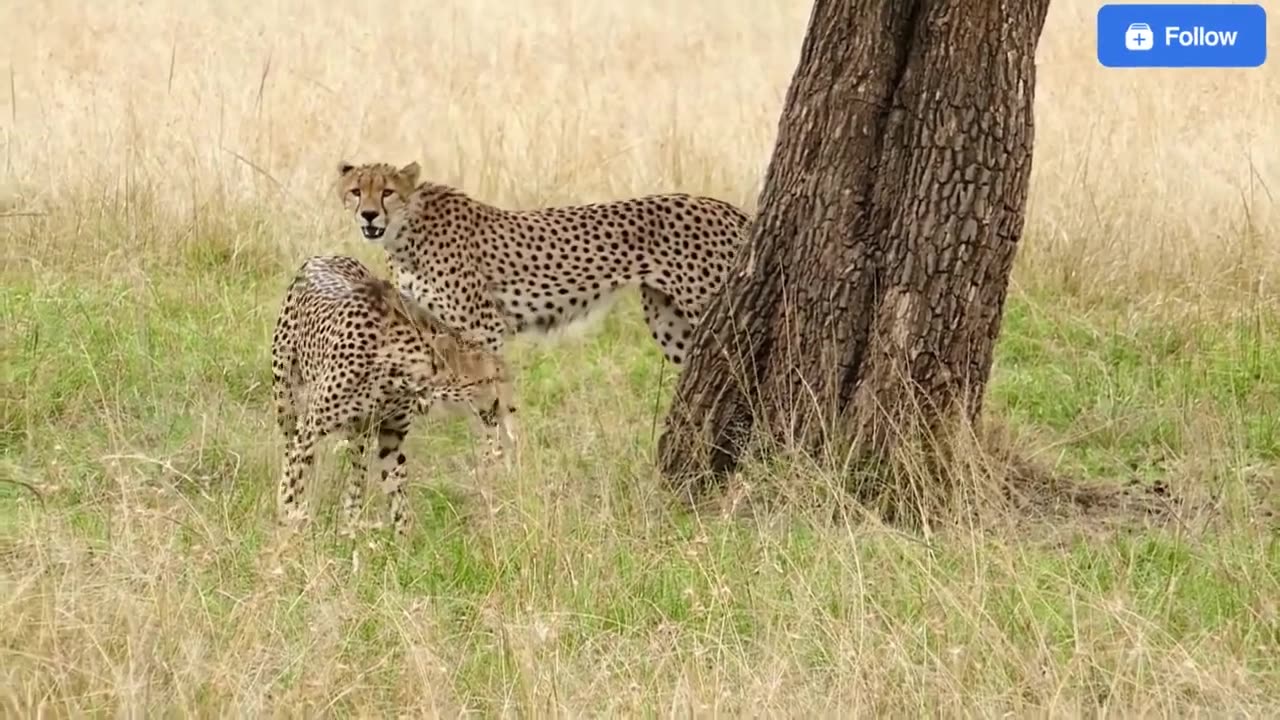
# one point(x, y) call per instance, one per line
point(494, 273)
point(353, 354)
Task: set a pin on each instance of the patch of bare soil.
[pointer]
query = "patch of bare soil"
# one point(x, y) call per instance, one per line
point(1044, 503)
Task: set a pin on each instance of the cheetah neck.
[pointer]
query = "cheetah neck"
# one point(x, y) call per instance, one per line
point(391, 239)
point(395, 241)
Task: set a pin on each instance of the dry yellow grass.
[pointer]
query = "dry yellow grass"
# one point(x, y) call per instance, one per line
point(564, 101)
point(167, 164)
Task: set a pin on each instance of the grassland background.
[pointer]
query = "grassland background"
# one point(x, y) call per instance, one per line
point(166, 166)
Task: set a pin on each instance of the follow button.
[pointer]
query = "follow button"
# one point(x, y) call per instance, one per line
point(1181, 36)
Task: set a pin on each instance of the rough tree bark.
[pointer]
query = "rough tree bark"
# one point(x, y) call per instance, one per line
point(881, 252)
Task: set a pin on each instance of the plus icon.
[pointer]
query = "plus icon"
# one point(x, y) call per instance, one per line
point(1138, 37)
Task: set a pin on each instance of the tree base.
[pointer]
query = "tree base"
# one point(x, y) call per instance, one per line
point(996, 485)
point(872, 287)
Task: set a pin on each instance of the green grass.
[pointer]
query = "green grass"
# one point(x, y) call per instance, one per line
point(149, 580)
point(165, 166)
point(1128, 393)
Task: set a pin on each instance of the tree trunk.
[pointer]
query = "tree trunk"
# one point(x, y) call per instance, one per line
point(872, 294)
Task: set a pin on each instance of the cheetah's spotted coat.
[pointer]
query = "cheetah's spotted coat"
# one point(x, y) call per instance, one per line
point(493, 273)
point(353, 354)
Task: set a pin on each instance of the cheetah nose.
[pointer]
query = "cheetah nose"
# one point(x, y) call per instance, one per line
point(369, 215)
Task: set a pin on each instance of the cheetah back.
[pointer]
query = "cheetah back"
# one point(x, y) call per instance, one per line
point(497, 272)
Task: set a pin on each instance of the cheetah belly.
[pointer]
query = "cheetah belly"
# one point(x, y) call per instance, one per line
point(553, 310)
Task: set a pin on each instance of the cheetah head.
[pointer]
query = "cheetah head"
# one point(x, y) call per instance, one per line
point(374, 192)
point(432, 354)
point(444, 362)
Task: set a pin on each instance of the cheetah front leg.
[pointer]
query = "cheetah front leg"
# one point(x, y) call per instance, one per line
point(493, 421)
point(668, 324)
point(496, 414)
point(501, 419)
point(478, 318)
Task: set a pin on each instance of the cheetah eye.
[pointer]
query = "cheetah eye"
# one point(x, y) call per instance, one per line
point(388, 192)
point(355, 192)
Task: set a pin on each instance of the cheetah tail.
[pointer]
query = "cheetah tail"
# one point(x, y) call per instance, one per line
point(284, 359)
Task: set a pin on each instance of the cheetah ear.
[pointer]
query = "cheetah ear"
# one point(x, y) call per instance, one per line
point(345, 167)
point(410, 174)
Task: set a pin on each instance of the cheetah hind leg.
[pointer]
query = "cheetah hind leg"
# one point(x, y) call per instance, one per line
point(668, 324)
point(291, 502)
point(353, 497)
point(391, 459)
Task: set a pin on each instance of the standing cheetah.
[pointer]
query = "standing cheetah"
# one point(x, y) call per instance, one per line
point(351, 353)
point(494, 273)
